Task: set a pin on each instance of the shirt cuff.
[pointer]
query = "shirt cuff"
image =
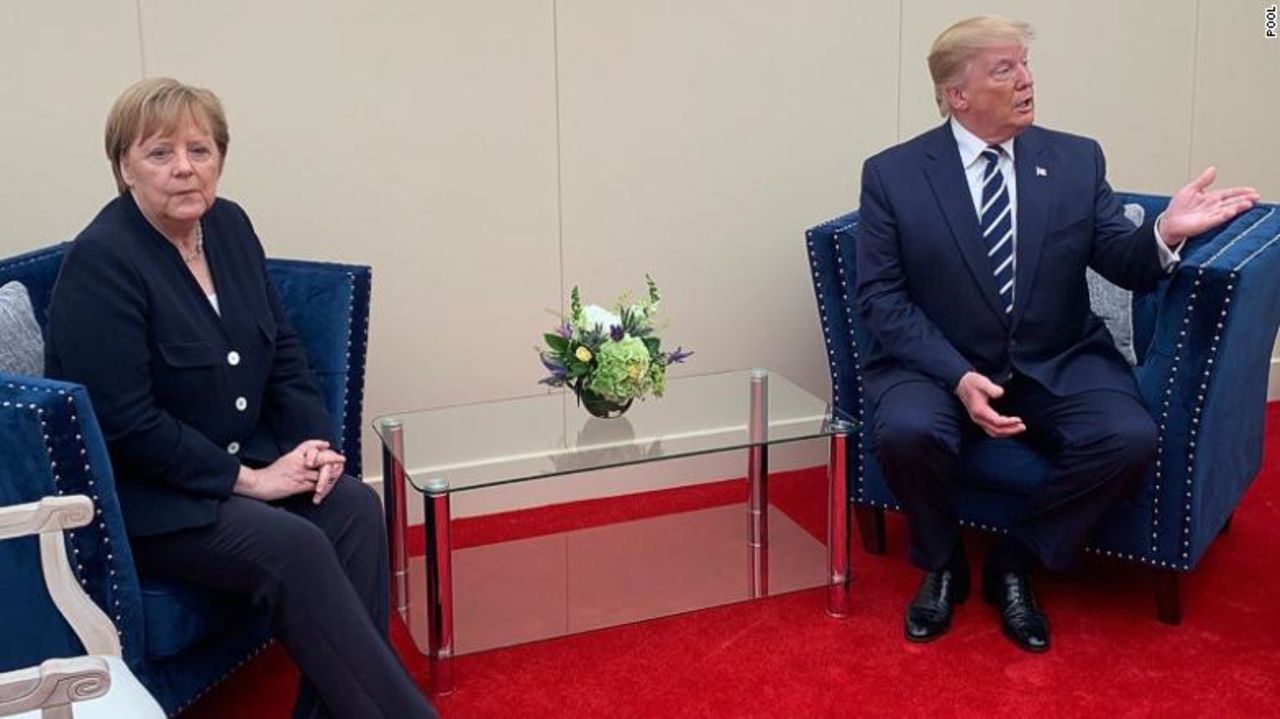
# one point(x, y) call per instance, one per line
point(1168, 256)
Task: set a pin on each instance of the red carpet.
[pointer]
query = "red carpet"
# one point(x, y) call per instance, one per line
point(783, 657)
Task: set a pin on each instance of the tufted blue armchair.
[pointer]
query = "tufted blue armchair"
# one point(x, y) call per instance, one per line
point(1203, 340)
point(178, 639)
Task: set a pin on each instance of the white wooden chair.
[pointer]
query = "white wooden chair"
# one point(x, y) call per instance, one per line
point(99, 684)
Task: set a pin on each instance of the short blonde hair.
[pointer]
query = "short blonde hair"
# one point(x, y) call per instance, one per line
point(155, 105)
point(953, 52)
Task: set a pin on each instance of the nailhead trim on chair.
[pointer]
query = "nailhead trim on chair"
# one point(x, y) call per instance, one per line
point(1197, 410)
point(859, 410)
point(56, 250)
point(243, 660)
point(74, 537)
point(357, 348)
point(346, 384)
point(831, 359)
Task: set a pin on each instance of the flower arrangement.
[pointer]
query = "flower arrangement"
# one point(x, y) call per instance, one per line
point(609, 358)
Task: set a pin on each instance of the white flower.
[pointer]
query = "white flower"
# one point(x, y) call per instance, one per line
point(593, 315)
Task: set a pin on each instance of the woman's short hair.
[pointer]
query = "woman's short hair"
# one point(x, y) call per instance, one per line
point(953, 52)
point(158, 105)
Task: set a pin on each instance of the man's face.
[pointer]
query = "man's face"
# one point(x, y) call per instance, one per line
point(996, 99)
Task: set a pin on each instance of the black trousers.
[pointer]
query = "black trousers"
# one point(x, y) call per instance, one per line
point(321, 572)
point(1100, 443)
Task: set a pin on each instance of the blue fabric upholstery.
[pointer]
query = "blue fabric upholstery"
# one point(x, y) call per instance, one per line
point(178, 639)
point(1203, 340)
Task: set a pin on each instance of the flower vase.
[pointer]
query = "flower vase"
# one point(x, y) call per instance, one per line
point(599, 406)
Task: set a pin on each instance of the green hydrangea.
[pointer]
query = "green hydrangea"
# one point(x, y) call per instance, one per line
point(658, 378)
point(622, 370)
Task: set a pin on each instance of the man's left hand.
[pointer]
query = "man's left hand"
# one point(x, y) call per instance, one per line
point(1196, 208)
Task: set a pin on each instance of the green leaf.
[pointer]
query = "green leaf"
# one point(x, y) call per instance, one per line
point(556, 342)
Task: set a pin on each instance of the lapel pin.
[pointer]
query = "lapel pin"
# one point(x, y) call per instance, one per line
point(1041, 172)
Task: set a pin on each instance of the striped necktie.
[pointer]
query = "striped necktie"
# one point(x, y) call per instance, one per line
point(996, 221)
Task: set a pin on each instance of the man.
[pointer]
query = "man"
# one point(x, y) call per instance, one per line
point(972, 249)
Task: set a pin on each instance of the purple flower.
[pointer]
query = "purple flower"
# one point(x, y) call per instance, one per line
point(679, 356)
point(565, 331)
point(616, 333)
point(556, 369)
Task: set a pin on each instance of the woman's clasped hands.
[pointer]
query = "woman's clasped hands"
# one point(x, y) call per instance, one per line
point(310, 467)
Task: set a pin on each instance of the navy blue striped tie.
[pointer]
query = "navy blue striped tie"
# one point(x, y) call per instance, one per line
point(996, 221)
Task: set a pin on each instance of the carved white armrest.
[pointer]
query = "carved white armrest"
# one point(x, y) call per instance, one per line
point(48, 518)
point(53, 686)
point(50, 514)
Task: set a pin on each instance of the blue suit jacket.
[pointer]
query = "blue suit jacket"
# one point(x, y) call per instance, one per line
point(924, 285)
point(165, 372)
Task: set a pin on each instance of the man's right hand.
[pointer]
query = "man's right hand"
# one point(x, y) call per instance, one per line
point(976, 392)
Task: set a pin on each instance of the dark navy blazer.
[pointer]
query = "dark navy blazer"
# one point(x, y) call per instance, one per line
point(924, 284)
point(184, 395)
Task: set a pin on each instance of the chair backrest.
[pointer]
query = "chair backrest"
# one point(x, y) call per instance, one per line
point(328, 304)
point(315, 296)
point(37, 271)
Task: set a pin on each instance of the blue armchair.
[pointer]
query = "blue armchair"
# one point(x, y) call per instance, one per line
point(1203, 340)
point(178, 639)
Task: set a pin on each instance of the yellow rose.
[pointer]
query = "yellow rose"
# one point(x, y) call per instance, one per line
point(583, 354)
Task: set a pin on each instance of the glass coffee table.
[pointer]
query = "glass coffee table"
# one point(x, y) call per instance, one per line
point(507, 444)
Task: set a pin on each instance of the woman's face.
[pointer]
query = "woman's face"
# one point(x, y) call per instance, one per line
point(173, 176)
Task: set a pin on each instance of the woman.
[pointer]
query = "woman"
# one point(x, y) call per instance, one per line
point(217, 432)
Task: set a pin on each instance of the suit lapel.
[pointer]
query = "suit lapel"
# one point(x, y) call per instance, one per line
point(1032, 169)
point(951, 190)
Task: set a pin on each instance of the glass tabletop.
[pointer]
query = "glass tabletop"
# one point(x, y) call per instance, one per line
point(491, 443)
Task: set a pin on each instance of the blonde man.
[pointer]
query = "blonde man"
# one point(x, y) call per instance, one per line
point(1011, 214)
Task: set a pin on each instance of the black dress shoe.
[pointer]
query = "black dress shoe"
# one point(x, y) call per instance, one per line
point(929, 613)
point(1020, 616)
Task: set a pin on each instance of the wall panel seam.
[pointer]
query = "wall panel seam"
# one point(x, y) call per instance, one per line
point(142, 45)
point(1195, 74)
point(555, 75)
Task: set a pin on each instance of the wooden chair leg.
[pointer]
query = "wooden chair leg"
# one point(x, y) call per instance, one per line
point(1168, 601)
point(871, 529)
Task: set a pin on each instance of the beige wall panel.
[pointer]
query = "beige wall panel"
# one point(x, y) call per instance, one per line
point(699, 140)
point(418, 137)
point(61, 65)
point(1237, 106)
point(1120, 72)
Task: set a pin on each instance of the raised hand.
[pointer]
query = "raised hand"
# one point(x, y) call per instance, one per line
point(1196, 208)
point(976, 392)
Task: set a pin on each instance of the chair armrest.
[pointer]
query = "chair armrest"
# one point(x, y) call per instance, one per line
point(50, 514)
point(328, 304)
point(56, 682)
point(47, 519)
point(1205, 379)
point(52, 446)
point(833, 279)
